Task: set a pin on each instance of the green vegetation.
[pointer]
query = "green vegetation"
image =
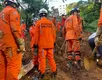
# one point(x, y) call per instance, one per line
point(28, 8)
point(32, 7)
point(89, 12)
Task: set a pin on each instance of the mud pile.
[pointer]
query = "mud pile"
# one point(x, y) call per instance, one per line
point(63, 71)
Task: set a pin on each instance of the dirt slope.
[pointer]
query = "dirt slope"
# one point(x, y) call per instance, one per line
point(63, 71)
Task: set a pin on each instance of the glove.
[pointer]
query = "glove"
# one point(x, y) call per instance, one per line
point(79, 38)
point(35, 46)
point(97, 41)
point(22, 48)
point(54, 44)
point(21, 44)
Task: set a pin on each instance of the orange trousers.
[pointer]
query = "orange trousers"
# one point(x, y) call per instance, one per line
point(73, 46)
point(42, 55)
point(10, 64)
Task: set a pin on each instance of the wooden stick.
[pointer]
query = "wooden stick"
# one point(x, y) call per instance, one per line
point(25, 69)
point(58, 46)
point(63, 44)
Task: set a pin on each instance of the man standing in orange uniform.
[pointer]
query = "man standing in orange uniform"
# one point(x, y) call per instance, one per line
point(63, 20)
point(62, 23)
point(46, 36)
point(32, 32)
point(71, 32)
point(23, 29)
point(54, 20)
point(12, 43)
point(58, 25)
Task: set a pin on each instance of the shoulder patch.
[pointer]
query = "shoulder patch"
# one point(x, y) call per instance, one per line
point(15, 13)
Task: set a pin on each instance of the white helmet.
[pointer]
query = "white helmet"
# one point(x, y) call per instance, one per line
point(22, 21)
point(13, 1)
point(43, 10)
point(34, 19)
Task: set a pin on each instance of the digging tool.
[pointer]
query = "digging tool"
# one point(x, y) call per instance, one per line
point(63, 44)
point(65, 53)
point(25, 69)
point(57, 46)
point(60, 49)
point(89, 62)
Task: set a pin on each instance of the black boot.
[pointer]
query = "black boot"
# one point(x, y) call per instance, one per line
point(41, 76)
point(35, 67)
point(70, 63)
point(78, 64)
point(53, 75)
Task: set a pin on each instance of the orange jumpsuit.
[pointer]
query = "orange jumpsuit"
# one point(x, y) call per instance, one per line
point(10, 59)
point(62, 26)
point(23, 29)
point(63, 21)
point(32, 32)
point(54, 20)
point(100, 19)
point(71, 36)
point(58, 26)
point(46, 36)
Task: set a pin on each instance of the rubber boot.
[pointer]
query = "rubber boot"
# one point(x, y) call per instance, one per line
point(53, 75)
point(79, 64)
point(70, 56)
point(70, 63)
point(41, 76)
point(78, 61)
point(36, 73)
point(35, 67)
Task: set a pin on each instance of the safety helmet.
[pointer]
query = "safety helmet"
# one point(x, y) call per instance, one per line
point(13, 1)
point(22, 21)
point(35, 19)
point(74, 10)
point(43, 11)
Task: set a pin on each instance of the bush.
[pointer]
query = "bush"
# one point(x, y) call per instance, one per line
point(91, 27)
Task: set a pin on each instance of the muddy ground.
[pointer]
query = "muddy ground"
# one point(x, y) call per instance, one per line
point(63, 71)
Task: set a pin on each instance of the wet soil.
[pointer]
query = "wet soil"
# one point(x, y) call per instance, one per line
point(61, 62)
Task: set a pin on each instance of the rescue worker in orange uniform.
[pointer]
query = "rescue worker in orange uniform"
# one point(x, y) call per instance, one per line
point(32, 32)
point(23, 29)
point(63, 20)
point(46, 36)
point(58, 25)
point(71, 33)
point(62, 24)
point(54, 20)
point(11, 43)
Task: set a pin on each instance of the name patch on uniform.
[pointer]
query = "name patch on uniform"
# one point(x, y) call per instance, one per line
point(44, 25)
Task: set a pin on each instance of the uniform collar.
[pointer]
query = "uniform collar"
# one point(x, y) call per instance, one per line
point(43, 18)
point(10, 7)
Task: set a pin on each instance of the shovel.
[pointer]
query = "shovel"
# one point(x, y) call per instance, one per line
point(25, 69)
point(89, 62)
